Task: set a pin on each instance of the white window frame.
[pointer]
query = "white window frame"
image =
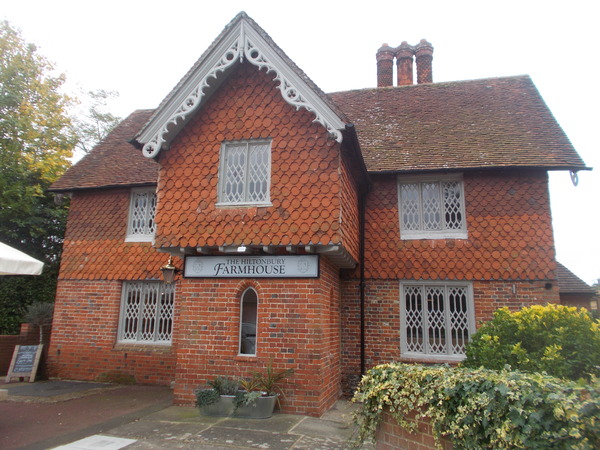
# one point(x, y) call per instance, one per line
point(223, 169)
point(245, 331)
point(426, 351)
point(146, 306)
point(147, 234)
point(444, 232)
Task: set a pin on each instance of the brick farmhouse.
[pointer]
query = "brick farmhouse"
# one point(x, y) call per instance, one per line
point(321, 232)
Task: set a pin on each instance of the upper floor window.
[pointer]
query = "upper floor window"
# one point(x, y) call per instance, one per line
point(432, 207)
point(245, 173)
point(146, 312)
point(142, 208)
point(437, 319)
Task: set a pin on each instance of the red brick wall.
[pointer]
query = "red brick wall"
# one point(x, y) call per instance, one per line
point(298, 327)
point(306, 185)
point(83, 343)
point(509, 233)
point(391, 436)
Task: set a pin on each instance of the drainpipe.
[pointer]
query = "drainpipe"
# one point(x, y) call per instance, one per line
point(361, 211)
point(364, 186)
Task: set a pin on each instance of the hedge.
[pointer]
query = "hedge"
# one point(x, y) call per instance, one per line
point(482, 408)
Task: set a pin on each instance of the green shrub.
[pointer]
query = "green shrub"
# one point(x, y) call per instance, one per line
point(482, 408)
point(559, 340)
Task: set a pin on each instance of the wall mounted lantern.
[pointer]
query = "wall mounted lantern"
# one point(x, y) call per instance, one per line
point(169, 271)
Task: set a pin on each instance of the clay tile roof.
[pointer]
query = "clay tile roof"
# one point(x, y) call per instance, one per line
point(569, 283)
point(495, 122)
point(113, 162)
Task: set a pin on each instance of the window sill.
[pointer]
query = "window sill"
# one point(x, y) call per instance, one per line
point(423, 236)
point(431, 359)
point(149, 239)
point(243, 205)
point(143, 347)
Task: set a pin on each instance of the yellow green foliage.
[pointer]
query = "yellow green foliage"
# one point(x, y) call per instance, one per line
point(559, 340)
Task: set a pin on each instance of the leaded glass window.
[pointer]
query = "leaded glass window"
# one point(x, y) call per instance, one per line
point(245, 172)
point(142, 209)
point(431, 208)
point(437, 319)
point(146, 312)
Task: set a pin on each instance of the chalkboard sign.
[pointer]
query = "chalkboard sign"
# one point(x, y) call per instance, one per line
point(24, 362)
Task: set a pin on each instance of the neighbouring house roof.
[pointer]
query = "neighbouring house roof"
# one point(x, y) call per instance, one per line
point(569, 283)
point(495, 122)
point(113, 162)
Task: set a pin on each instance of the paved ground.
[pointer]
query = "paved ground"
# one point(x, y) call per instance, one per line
point(50, 414)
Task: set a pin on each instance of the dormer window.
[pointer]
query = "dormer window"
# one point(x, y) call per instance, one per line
point(245, 173)
point(142, 208)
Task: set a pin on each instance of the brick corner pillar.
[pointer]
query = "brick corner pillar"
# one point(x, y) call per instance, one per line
point(424, 56)
point(404, 60)
point(385, 66)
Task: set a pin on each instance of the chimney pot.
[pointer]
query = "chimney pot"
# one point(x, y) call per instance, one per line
point(404, 61)
point(424, 56)
point(385, 66)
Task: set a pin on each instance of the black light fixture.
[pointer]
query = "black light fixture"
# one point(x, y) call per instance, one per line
point(169, 271)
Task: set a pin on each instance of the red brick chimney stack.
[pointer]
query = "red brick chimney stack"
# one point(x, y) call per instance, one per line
point(424, 56)
point(385, 66)
point(404, 63)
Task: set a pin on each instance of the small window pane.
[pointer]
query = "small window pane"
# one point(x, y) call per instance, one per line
point(431, 209)
point(249, 320)
point(147, 312)
point(440, 325)
point(245, 172)
point(141, 215)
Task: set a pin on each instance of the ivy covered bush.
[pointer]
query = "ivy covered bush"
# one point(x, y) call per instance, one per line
point(482, 408)
point(559, 340)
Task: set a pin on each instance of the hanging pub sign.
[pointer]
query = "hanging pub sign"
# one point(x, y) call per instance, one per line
point(276, 266)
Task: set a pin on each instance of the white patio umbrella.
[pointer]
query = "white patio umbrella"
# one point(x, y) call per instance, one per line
point(15, 262)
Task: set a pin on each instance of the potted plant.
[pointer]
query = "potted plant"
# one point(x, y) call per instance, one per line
point(260, 393)
point(218, 400)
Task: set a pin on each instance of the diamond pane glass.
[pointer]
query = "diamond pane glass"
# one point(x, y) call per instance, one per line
point(142, 212)
point(258, 173)
point(414, 318)
point(436, 323)
point(410, 206)
point(436, 319)
point(452, 205)
point(147, 312)
point(430, 194)
point(459, 320)
point(245, 172)
point(235, 173)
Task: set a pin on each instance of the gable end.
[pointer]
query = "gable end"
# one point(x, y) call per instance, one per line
point(241, 39)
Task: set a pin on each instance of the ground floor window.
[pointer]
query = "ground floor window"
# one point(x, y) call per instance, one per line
point(146, 312)
point(248, 321)
point(436, 319)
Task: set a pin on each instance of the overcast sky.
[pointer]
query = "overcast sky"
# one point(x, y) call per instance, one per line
point(142, 48)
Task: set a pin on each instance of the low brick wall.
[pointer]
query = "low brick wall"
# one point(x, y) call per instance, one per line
point(391, 436)
point(29, 335)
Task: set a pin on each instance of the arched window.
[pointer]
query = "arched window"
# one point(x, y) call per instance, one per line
point(248, 322)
